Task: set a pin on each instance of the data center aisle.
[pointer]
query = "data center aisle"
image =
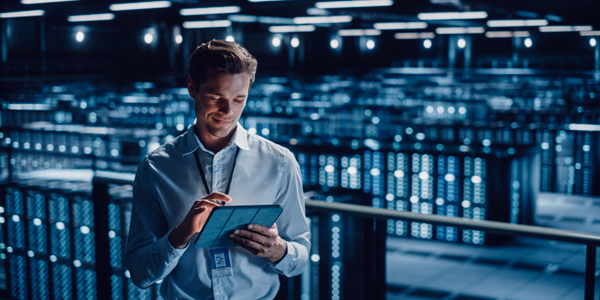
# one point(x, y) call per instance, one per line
point(526, 269)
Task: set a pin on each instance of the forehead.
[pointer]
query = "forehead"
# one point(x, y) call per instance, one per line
point(221, 82)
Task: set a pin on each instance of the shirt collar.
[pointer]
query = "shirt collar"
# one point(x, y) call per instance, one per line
point(239, 138)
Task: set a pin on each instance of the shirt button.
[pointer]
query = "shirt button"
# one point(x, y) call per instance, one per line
point(218, 292)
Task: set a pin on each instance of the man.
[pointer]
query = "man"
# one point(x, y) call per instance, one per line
point(216, 155)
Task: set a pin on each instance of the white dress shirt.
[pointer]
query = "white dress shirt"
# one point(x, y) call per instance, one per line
point(166, 185)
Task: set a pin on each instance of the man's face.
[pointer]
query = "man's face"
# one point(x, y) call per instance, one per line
point(219, 102)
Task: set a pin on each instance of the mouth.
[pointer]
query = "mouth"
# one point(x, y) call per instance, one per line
point(221, 122)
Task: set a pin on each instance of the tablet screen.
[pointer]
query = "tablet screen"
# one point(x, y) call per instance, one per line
point(225, 219)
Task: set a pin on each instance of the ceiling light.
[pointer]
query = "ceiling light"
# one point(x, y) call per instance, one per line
point(528, 43)
point(334, 43)
point(276, 42)
point(295, 42)
point(206, 24)
point(43, 1)
point(210, 10)
point(139, 5)
point(370, 44)
point(275, 20)
point(313, 11)
point(565, 28)
point(20, 14)
point(230, 38)
point(414, 35)
point(178, 39)
point(453, 15)
point(593, 42)
point(148, 38)
point(459, 30)
point(321, 20)
point(590, 33)
point(301, 28)
point(358, 32)
point(427, 43)
point(400, 25)
point(461, 43)
point(352, 4)
point(92, 17)
point(584, 127)
point(506, 34)
point(516, 23)
point(79, 36)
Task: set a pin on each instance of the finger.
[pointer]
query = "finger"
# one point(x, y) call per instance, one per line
point(260, 229)
point(255, 237)
point(248, 244)
point(252, 250)
point(218, 196)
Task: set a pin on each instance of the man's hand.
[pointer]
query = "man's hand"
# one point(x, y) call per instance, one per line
point(261, 241)
point(195, 219)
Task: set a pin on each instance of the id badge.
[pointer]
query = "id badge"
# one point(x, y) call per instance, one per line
point(220, 262)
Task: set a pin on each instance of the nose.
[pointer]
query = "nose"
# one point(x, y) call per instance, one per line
point(225, 107)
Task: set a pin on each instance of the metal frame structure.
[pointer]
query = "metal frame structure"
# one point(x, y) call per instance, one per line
point(102, 179)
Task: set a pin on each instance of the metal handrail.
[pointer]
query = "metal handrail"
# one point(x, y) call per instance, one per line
point(588, 239)
point(487, 226)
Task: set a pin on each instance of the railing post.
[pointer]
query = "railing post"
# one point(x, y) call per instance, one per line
point(590, 272)
point(375, 250)
point(100, 198)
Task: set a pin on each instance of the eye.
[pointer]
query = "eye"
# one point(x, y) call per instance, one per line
point(239, 100)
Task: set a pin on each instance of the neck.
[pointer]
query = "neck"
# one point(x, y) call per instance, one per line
point(211, 142)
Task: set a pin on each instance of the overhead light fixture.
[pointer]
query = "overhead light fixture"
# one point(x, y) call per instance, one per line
point(358, 32)
point(516, 23)
point(148, 38)
point(313, 11)
point(353, 4)
point(593, 42)
point(283, 29)
point(206, 24)
point(43, 1)
point(584, 127)
point(21, 14)
point(242, 18)
point(275, 20)
point(139, 5)
point(79, 36)
point(295, 42)
point(506, 34)
point(178, 39)
point(560, 28)
point(427, 44)
point(589, 33)
point(92, 17)
point(276, 42)
point(528, 42)
point(230, 38)
point(414, 35)
point(210, 10)
point(459, 30)
point(453, 15)
point(370, 44)
point(400, 25)
point(334, 43)
point(322, 20)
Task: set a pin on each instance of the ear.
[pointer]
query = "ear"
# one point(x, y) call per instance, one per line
point(191, 87)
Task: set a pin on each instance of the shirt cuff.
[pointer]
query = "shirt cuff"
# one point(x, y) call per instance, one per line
point(288, 259)
point(167, 250)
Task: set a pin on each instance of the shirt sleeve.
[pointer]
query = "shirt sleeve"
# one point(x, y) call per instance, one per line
point(149, 256)
point(292, 224)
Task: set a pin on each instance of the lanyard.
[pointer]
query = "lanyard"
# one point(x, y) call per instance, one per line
point(197, 156)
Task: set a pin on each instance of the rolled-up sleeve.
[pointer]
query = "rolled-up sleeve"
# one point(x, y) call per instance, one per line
point(292, 224)
point(149, 256)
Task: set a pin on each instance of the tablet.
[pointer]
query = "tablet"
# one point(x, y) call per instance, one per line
point(225, 219)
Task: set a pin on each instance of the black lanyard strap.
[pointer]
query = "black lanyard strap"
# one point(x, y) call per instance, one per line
point(197, 156)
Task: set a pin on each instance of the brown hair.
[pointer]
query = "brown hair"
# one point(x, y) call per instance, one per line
point(222, 56)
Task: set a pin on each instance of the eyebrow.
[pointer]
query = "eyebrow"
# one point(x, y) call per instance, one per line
point(219, 94)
